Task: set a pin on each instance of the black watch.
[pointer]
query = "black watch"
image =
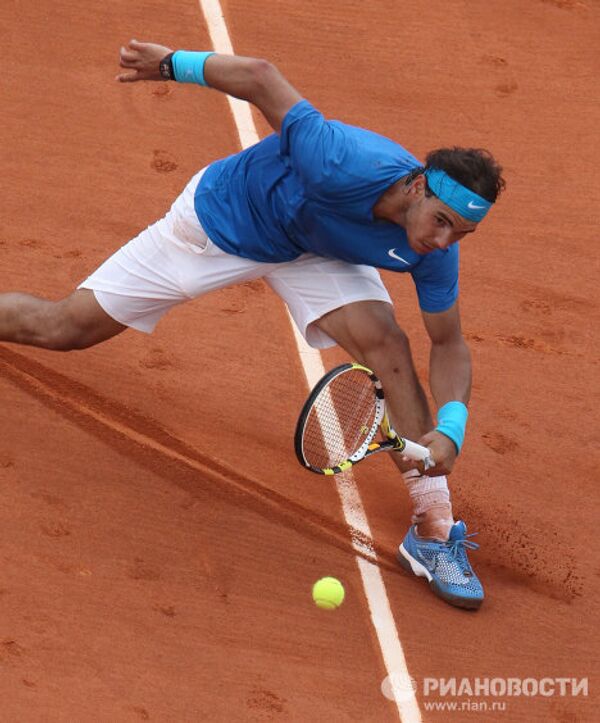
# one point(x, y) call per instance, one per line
point(165, 67)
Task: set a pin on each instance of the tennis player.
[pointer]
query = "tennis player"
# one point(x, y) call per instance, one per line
point(313, 209)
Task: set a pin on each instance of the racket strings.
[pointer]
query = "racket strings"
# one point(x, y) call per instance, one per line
point(342, 416)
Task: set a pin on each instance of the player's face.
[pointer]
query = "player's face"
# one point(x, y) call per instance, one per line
point(431, 225)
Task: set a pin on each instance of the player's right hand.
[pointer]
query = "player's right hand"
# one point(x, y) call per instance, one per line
point(443, 452)
point(141, 60)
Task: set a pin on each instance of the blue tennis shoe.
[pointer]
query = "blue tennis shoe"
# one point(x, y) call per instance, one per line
point(445, 565)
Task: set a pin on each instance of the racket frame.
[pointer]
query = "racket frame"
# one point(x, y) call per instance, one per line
point(380, 422)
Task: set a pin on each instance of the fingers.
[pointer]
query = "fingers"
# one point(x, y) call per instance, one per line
point(435, 471)
point(127, 77)
point(408, 464)
point(131, 56)
point(134, 47)
point(132, 52)
point(439, 468)
point(128, 57)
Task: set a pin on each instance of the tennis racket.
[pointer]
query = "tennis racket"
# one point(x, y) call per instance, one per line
point(340, 419)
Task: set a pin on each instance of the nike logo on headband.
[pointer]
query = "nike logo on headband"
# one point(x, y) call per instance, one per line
point(474, 205)
point(394, 255)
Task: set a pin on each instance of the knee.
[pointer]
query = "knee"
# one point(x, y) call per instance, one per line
point(391, 354)
point(67, 340)
point(385, 337)
point(60, 328)
point(57, 336)
point(395, 338)
point(367, 330)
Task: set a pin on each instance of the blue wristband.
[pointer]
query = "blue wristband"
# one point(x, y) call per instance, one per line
point(452, 420)
point(188, 66)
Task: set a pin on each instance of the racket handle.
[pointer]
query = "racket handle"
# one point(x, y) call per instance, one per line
point(418, 452)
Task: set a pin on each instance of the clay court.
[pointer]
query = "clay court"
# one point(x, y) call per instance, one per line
point(159, 539)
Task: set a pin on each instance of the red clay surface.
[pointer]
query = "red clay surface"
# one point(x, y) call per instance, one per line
point(158, 541)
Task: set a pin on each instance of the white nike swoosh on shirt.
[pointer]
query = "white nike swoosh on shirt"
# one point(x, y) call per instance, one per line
point(394, 255)
point(473, 205)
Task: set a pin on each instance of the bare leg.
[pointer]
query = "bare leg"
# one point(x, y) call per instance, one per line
point(76, 322)
point(368, 331)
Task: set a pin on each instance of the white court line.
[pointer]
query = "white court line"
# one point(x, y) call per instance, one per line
point(354, 512)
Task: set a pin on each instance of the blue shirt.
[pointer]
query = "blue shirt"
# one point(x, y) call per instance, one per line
point(312, 189)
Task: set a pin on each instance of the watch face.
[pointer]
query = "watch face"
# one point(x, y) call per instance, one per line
point(165, 69)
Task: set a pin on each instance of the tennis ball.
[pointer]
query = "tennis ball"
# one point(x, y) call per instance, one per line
point(328, 593)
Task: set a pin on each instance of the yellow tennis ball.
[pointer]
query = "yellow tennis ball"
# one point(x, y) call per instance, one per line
point(328, 593)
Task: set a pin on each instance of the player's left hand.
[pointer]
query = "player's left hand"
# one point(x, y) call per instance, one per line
point(142, 61)
point(443, 452)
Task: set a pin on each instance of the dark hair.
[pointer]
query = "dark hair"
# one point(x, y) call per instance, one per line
point(474, 168)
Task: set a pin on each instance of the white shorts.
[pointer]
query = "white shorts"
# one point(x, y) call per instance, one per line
point(173, 261)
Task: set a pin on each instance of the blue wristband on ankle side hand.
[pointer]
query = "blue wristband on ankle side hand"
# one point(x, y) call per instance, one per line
point(188, 66)
point(452, 421)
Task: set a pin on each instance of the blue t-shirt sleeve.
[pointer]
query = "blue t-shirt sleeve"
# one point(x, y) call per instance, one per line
point(436, 279)
point(339, 163)
point(316, 149)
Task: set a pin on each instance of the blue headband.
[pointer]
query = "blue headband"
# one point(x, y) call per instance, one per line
point(460, 199)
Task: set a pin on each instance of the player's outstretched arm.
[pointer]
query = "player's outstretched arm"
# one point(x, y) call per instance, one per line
point(252, 79)
point(449, 378)
point(450, 371)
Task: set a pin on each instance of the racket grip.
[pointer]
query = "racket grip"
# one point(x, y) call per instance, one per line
point(418, 452)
